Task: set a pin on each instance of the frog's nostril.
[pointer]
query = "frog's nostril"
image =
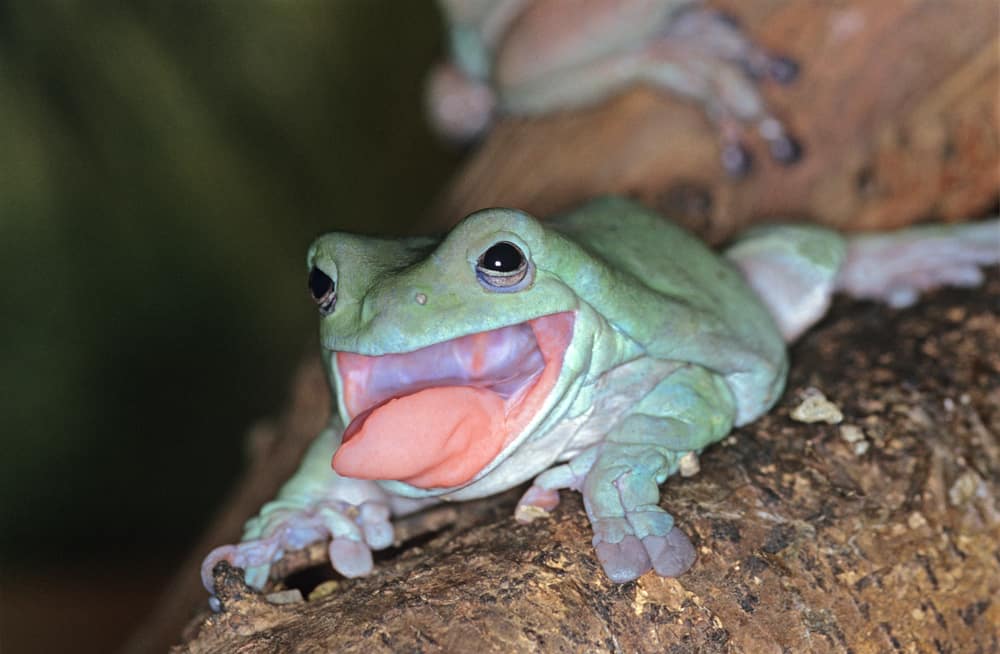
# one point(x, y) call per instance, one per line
point(323, 289)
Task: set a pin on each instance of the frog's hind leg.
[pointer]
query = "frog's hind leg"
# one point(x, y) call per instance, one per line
point(704, 55)
point(896, 267)
point(792, 269)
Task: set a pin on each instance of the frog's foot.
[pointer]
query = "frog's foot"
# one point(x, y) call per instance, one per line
point(703, 54)
point(629, 557)
point(459, 107)
point(284, 526)
point(896, 267)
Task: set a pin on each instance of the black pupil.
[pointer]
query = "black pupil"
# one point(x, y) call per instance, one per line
point(319, 284)
point(503, 257)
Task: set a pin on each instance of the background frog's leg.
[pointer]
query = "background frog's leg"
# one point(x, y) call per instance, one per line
point(704, 54)
point(895, 267)
point(459, 97)
point(697, 53)
point(316, 503)
point(632, 534)
point(792, 268)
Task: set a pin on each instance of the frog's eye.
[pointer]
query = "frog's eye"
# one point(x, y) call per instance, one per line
point(503, 267)
point(324, 291)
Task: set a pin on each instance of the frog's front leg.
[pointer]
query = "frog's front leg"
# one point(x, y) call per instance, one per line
point(632, 534)
point(315, 504)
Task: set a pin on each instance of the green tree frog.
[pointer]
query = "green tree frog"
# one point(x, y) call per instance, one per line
point(593, 352)
point(528, 57)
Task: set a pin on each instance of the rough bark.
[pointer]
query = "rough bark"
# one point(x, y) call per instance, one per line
point(897, 106)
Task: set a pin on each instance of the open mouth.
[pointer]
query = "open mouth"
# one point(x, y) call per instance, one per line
point(435, 417)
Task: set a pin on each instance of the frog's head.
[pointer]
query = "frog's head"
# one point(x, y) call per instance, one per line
point(445, 354)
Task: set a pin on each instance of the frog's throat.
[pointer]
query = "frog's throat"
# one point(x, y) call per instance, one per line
point(436, 417)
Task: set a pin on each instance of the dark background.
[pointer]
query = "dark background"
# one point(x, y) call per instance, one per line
point(163, 168)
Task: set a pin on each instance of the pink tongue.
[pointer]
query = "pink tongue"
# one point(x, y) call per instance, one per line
point(436, 437)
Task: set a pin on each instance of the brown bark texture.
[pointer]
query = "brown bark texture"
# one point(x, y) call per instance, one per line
point(897, 105)
point(807, 541)
point(877, 534)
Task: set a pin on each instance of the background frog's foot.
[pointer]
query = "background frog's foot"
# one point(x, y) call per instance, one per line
point(704, 54)
point(284, 526)
point(895, 268)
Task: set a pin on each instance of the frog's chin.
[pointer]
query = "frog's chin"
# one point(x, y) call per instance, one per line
point(438, 417)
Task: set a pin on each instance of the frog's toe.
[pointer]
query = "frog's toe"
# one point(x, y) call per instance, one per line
point(783, 70)
point(623, 561)
point(373, 517)
point(350, 558)
point(672, 554)
point(255, 555)
point(736, 159)
point(785, 149)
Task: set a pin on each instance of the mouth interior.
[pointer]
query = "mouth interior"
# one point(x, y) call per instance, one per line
point(436, 416)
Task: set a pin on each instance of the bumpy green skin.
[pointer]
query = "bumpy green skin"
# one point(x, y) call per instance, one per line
point(641, 288)
point(670, 349)
point(663, 325)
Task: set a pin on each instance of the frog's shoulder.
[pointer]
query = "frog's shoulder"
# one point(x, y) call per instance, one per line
point(661, 256)
point(635, 239)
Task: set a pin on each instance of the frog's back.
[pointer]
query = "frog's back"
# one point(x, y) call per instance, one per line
point(680, 300)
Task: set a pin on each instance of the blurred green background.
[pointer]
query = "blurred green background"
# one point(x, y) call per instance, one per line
point(163, 168)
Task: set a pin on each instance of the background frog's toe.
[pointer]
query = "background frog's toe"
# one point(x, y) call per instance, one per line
point(672, 554)
point(623, 561)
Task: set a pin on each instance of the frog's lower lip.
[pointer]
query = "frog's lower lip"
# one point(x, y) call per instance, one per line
point(437, 416)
